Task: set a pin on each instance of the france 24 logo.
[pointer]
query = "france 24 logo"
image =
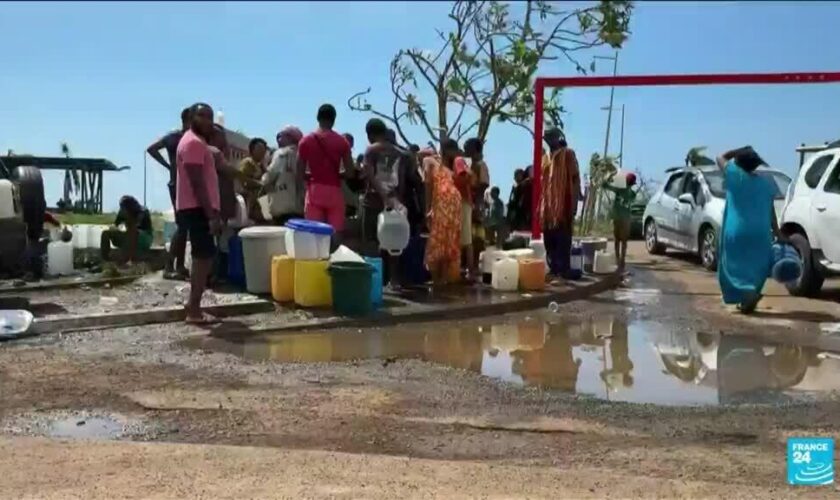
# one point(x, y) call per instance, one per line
point(810, 461)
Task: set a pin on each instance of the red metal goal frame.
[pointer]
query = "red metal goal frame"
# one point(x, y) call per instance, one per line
point(644, 81)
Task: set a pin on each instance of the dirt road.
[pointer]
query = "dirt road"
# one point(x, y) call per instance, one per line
point(175, 413)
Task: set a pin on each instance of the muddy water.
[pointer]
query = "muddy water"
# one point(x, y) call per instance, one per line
point(607, 357)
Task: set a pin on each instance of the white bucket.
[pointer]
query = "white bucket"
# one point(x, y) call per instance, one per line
point(259, 245)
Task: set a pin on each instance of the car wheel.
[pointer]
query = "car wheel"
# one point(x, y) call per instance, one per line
point(651, 242)
point(709, 249)
point(811, 280)
point(34, 205)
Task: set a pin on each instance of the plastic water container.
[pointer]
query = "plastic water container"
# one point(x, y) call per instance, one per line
point(538, 246)
point(59, 258)
point(236, 262)
point(259, 245)
point(313, 286)
point(351, 284)
point(15, 322)
point(241, 219)
point(532, 274)
point(392, 231)
point(375, 281)
point(787, 265)
point(412, 262)
point(7, 199)
point(506, 275)
point(81, 234)
point(576, 263)
point(308, 240)
point(589, 246)
point(521, 254)
point(282, 278)
point(619, 180)
point(604, 262)
point(95, 235)
point(488, 257)
point(344, 254)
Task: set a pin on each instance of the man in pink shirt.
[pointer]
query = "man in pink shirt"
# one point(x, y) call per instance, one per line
point(320, 155)
point(197, 203)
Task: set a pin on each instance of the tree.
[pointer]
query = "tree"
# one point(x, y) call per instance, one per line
point(601, 169)
point(483, 71)
point(695, 158)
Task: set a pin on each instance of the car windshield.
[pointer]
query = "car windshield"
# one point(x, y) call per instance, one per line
point(714, 178)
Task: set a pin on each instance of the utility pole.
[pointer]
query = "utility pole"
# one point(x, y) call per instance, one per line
point(621, 143)
point(612, 98)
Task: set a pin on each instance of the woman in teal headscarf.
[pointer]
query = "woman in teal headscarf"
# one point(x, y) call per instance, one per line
point(749, 225)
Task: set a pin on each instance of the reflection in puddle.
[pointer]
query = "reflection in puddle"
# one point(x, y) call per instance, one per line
point(605, 357)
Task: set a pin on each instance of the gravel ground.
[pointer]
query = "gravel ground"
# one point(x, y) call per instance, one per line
point(151, 291)
point(411, 408)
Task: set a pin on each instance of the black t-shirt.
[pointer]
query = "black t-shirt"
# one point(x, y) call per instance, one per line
point(144, 220)
point(170, 142)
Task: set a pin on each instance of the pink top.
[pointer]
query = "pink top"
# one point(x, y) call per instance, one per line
point(193, 152)
point(323, 152)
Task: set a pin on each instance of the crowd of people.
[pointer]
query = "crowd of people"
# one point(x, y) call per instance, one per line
point(444, 192)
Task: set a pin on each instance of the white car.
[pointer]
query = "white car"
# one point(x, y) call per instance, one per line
point(687, 212)
point(811, 219)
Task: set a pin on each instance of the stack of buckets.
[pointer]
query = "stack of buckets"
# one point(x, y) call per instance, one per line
point(300, 275)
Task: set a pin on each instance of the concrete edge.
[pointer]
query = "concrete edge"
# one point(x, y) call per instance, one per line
point(42, 286)
point(420, 313)
point(142, 317)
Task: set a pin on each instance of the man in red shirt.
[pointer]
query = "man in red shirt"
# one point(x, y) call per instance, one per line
point(320, 155)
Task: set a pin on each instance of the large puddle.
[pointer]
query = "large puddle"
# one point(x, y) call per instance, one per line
point(607, 358)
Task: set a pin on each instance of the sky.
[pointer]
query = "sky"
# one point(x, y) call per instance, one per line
point(110, 78)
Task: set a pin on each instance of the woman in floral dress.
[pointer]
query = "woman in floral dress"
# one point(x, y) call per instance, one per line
point(443, 251)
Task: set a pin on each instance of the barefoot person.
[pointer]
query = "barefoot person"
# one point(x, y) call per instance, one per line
point(749, 224)
point(175, 264)
point(136, 238)
point(621, 215)
point(443, 201)
point(197, 203)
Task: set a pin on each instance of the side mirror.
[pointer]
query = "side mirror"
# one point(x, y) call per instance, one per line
point(686, 198)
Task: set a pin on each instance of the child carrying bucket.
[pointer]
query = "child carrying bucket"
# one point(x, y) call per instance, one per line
point(624, 198)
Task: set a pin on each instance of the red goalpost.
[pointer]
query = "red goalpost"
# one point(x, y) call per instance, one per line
point(644, 81)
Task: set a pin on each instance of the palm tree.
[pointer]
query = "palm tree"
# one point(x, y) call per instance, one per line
point(695, 158)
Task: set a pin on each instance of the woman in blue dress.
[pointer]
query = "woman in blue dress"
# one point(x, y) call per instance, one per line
point(749, 226)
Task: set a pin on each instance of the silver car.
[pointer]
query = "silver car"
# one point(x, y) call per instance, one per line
point(687, 212)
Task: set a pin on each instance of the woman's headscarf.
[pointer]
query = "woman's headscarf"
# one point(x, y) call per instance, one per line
point(292, 133)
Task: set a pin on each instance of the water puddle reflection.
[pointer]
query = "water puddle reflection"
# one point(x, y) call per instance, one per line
point(608, 358)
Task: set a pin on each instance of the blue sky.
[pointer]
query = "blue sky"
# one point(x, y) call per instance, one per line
point(109, 78)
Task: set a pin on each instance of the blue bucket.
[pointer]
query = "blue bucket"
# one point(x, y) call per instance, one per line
point(376, 281)
point(236, 261)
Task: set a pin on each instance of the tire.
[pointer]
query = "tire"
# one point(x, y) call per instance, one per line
point(811, 280)
point(651, 242)
point(34, 205)
point(709, 249)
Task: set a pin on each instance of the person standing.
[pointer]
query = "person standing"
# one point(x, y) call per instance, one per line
point(621, 215)
point(474, 151)
point(443, 202)
point(197, 203)
point(283, 182)
point(252, 171)
point(495, 218)
point(749, 224)
point(558, 201)
point(175, 268)
point(321, 155)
